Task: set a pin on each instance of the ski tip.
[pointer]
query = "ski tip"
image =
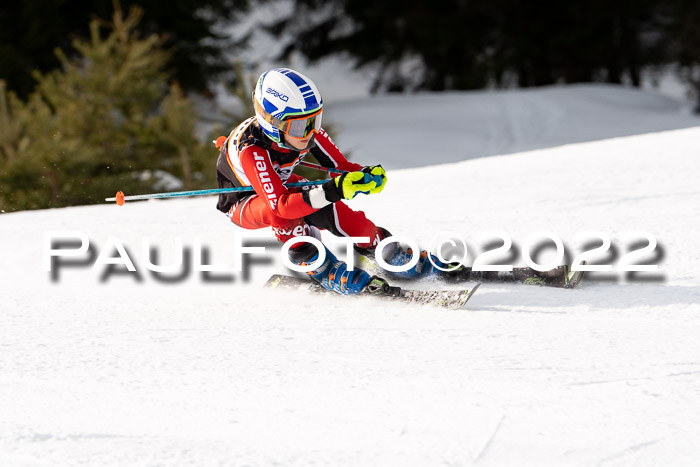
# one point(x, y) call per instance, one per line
point(472, 290)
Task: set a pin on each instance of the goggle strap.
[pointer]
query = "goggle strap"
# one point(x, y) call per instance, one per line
point(269, 118)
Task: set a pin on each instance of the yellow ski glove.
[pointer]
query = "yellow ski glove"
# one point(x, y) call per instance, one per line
point(376, 171)
point(351, 184)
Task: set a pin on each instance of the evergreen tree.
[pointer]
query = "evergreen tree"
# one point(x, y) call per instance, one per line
point(101, 123)
point(195, 31)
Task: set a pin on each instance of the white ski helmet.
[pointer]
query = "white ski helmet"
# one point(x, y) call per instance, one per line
point(287, 101)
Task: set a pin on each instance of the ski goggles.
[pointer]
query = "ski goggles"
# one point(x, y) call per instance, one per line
point(301, 127)
point(296, 127)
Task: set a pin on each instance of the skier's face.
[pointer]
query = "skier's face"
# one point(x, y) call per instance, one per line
point(298, 131)
point(297, 143)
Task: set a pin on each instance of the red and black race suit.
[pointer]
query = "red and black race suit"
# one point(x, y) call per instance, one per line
point(249, 158)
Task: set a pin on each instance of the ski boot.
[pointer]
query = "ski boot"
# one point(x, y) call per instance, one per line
point(333, 274)
point(397, 255)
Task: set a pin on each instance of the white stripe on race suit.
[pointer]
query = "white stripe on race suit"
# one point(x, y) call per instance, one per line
point(240, 213)
point(337, 224)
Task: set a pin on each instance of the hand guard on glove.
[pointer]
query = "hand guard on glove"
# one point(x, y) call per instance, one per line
point(376, 171)
point(350, 184)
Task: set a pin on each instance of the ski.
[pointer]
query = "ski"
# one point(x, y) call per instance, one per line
point(560, 277)
point(378, 287)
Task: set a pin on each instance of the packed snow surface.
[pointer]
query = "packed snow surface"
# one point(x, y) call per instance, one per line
point(131, 370)
point(445, 127)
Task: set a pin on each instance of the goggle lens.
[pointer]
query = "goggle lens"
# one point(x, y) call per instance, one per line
point(303, 127)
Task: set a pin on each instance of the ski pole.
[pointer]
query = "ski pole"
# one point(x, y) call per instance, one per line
point(376, 178)
point(120, 198)
point(320, 167)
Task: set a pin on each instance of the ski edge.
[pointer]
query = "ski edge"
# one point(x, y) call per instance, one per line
point(283, 281)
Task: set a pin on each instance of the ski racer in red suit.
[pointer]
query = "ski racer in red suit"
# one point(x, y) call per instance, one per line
point(263, 151)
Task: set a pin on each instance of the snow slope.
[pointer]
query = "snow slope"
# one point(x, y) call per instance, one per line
point(198, 373)
point(428, 129)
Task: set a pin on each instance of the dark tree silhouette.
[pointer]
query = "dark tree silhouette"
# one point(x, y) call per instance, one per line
point(467, 44)
point(30, 30)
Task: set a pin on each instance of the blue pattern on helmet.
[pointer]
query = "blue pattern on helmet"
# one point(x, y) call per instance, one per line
point(269, 106)
point(310, 100)
point(273, 134)
point(296, 79)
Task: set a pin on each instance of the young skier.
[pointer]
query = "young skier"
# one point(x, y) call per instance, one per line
point(262, 152)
